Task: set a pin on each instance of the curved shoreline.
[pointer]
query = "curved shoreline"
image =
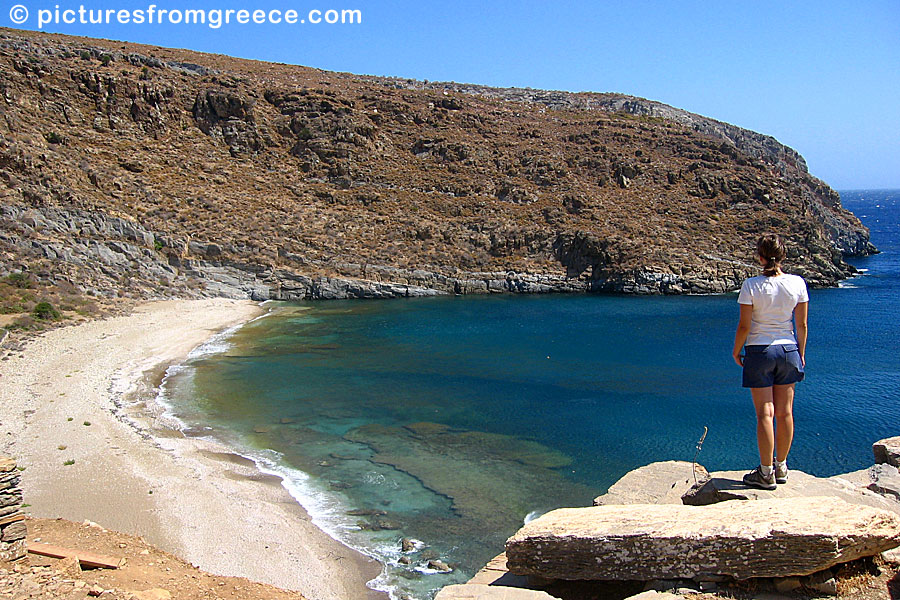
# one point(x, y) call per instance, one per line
point(191, 496)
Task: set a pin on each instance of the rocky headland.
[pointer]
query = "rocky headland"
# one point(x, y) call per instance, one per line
point(132, 171)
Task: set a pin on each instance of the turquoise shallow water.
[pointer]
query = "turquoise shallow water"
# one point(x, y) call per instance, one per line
point(449, 420)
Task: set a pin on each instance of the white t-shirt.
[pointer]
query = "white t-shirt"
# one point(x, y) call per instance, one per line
point(773, 300)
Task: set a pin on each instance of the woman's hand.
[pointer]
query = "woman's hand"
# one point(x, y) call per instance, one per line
point(801, 315)
point(740, 336)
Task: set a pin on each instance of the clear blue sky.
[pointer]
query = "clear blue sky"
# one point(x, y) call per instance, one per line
point(821, 76)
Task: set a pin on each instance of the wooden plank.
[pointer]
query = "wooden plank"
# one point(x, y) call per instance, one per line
point(12, 519)
point(85, 559)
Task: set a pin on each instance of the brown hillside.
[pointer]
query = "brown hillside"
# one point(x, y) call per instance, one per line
point(131, 170)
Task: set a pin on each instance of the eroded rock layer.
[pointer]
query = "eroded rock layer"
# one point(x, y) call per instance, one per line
point(766, 538)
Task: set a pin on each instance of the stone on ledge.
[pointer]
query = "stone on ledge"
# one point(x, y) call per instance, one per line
point(823, 582)
point(476, 591)
point(786, 585)
point(885, 481)
point(767, 538)
point(887, 451)
point(656, 483)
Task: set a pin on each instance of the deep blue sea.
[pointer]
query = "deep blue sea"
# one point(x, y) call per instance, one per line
point(450, 420)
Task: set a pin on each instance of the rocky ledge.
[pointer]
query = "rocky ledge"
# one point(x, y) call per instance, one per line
point(672, 527)
point(779, 537)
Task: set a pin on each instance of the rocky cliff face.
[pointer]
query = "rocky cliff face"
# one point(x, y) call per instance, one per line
point(143, 171)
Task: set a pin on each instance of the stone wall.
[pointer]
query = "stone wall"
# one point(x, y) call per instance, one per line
point(12, 520)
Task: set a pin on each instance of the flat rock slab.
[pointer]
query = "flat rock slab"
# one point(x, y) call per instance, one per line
point(766, 538)
point(887, 451)
point(854, 478)
point(727, 485)
point(657, 483)
point(477, 591)
point(496, 573)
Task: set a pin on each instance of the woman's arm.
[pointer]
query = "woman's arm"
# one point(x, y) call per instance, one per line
point(801, 312)
point(743, 329)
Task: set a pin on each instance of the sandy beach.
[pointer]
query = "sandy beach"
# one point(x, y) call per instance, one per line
point(191, 497)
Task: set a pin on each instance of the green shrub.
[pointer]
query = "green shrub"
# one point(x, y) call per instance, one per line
point(54, 138)
point(105, 59)
point(44, 311)
point(85, 55)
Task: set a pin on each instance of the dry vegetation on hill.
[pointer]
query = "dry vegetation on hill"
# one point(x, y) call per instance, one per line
point(133, 170)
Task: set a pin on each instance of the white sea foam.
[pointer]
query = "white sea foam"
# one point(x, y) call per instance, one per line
point(217, 344)
point(379, 479)
point(427, 570)
point(329, 513)
point(416, 544)
point(268, 313)
point(532, 516)
point(166, 416)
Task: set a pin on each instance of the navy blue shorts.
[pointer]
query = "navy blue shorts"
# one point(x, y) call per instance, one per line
point(778, 364)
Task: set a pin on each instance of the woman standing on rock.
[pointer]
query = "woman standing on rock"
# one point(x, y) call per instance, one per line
point(774, 357)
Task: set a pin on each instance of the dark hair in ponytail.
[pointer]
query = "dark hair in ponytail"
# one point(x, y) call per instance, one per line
point(771, 248)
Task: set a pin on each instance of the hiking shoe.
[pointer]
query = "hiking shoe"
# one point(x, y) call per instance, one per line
point(755, 478)
point(781, 473)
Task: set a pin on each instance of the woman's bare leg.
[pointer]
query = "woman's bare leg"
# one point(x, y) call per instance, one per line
point(783, 399)
point(765, 427)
